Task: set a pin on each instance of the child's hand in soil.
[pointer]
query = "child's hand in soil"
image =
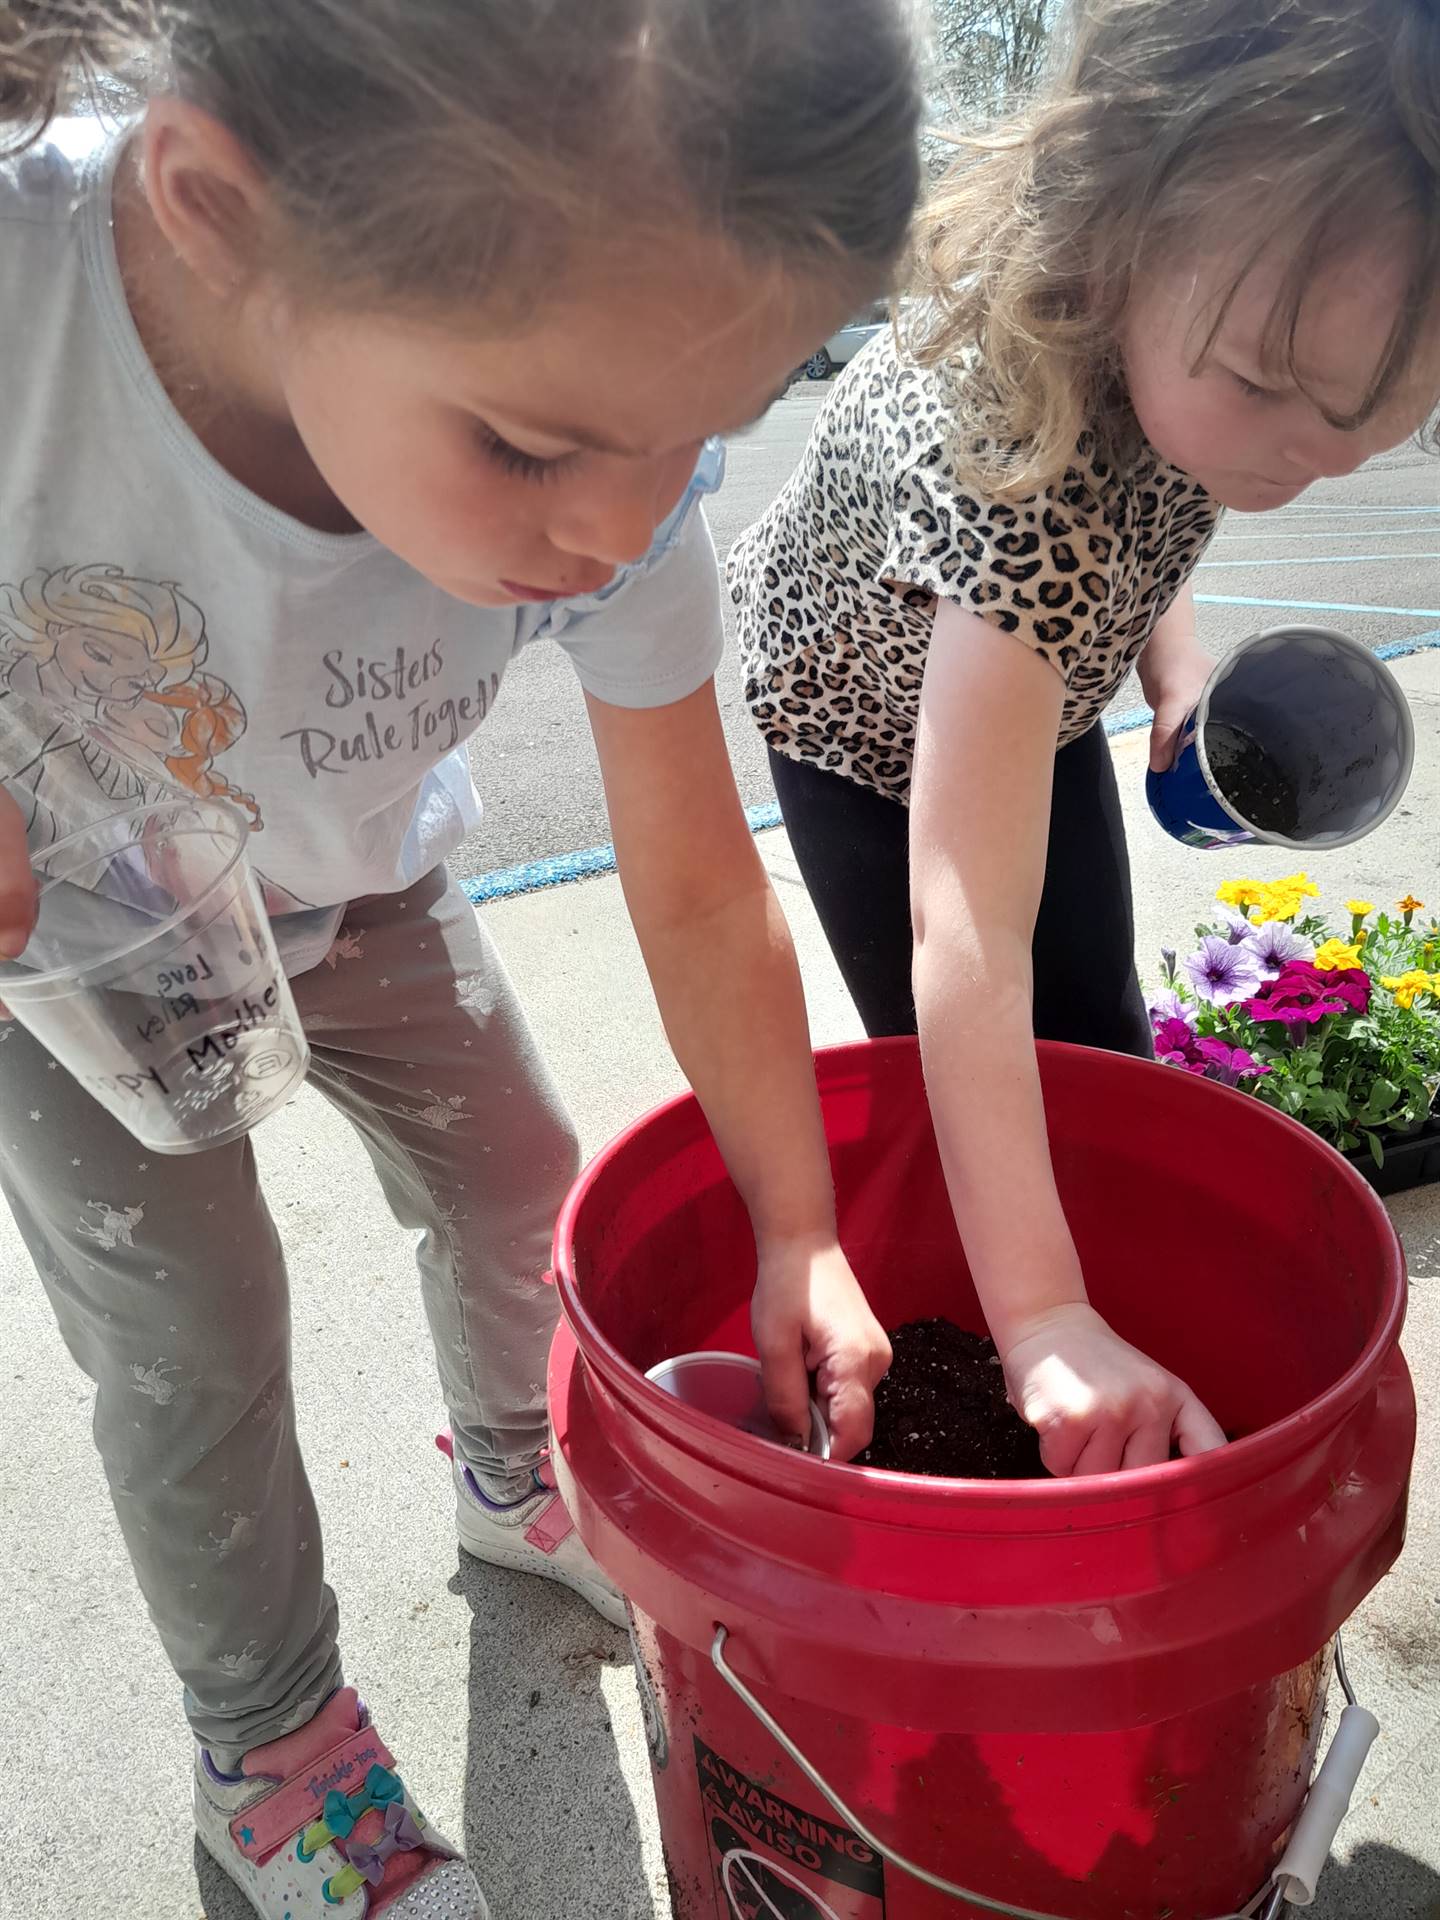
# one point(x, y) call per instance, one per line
point(1097, 1403)
point(17, 884)
point(809, 1315)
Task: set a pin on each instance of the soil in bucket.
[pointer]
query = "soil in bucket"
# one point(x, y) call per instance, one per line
point(1250, 780)
point(942, 1410)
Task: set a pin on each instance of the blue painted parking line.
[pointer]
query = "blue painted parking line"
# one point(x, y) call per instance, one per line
point(1413, 643)
point(1317, 560)
point(535, 875)
point(561, 868)
point(1314, 606)
point(1332, 534)
point(1317, 509)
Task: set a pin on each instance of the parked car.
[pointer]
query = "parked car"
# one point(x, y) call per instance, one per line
point(841, 348)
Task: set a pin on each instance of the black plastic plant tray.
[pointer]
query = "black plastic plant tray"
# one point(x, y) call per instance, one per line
point(1411, 1160)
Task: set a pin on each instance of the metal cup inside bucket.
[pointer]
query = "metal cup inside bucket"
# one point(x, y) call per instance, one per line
point(1321, 713)
point(728, 1387)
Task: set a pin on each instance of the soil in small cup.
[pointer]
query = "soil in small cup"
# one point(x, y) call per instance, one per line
point(1250, 780)
point(942, 1410)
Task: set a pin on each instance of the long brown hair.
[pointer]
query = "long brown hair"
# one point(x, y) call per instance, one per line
point(434, 152)
point(1287, 128)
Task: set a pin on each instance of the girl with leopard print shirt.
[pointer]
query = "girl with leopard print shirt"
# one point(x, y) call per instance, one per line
point(1201, 271)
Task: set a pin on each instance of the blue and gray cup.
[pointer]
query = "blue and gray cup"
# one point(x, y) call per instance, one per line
point(1302, 739)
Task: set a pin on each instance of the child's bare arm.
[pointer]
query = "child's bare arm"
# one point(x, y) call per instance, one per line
point(17, 883)
point(723, 967)
point(1173, 670)
point(980, 807)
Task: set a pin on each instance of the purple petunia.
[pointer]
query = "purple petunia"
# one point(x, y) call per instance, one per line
point(1275, 945)
point(1221, 973)
point(1167, 1005)
point(1237, 925)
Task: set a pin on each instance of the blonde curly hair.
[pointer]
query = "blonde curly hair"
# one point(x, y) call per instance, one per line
point(1166, 127)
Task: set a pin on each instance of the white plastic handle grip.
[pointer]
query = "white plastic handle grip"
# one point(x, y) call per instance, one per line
point(1326, 1806)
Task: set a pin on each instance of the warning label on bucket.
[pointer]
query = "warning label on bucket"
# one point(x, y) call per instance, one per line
point(775, 1861)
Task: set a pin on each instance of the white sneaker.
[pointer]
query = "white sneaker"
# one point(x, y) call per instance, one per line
point(317, 1824)
point(533, 1534)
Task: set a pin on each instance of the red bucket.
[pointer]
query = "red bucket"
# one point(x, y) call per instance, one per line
point(1091, 1698)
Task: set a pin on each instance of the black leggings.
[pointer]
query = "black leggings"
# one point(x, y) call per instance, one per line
point(852, 846)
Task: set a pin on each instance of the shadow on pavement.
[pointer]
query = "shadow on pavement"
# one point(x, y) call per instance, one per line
point(1378, 1883)
point(220, 1898)
point(550, 1828)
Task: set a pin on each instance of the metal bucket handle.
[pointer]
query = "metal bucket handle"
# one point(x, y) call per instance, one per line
point(1294, 1878)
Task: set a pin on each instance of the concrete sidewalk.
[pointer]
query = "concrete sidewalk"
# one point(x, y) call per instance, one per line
point(513, 1710)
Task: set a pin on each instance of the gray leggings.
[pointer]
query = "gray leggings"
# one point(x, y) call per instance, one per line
point(167, 1280)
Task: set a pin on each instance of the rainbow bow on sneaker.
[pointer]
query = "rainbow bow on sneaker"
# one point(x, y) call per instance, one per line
point(401, 1835)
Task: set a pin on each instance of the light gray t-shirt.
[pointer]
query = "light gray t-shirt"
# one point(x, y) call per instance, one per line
point(162, 627)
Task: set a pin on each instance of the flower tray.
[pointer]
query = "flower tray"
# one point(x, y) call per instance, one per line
point(1411, 1160)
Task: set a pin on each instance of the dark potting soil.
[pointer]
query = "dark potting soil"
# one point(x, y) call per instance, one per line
point(1250, 780)
point(942, 1410)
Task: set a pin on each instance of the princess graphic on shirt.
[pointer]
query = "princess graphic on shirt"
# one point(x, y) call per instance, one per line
point(105, 673)
point(84, 637)
point(113, 662)
point(174, 735)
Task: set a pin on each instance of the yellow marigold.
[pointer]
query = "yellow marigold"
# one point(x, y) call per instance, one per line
point(1406, 986)
point(1240, 894)
point(1409, 904)
point(1359, 907)
point(1274, 899)
point(1277, 902)
point(1336, 955)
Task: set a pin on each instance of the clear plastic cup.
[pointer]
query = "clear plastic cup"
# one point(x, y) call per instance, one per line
point(152, 976)
point(729, 1386)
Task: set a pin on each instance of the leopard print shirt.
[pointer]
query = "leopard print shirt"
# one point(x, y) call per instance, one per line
point(837, 586)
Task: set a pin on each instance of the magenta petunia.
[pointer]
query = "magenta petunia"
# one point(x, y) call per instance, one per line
point(1351, 984)
point(1297, 980)
point(1304, 994)
point(1229, 1065)
point(1174, 1040)
point(1293, 1016)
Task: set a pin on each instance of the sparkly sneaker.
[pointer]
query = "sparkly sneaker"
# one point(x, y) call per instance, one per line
point(533, 1534)
point(317, 1824)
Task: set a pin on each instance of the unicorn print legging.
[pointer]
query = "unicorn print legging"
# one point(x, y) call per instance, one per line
point(167, 1280)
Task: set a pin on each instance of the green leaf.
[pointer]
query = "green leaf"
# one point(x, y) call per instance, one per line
point(1377, 1151)
point(1384, 1098)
